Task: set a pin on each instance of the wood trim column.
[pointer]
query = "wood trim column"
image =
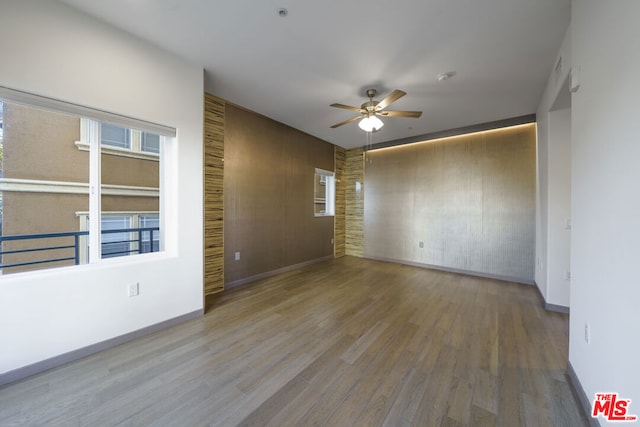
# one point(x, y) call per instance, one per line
point(340, 155)
point(213, 194)
point(354, 202)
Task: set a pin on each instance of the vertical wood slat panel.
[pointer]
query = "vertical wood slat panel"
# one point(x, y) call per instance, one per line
point(340, 202)
point(354, 203)
point(213, 194)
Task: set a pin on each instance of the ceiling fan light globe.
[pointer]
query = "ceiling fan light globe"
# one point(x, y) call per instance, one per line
point(370, 124)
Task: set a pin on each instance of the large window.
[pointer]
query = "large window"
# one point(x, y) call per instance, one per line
point(73, 190)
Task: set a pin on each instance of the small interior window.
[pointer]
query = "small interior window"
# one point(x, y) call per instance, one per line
point(324, 193)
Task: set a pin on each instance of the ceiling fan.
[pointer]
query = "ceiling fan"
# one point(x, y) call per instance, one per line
point(370, 109)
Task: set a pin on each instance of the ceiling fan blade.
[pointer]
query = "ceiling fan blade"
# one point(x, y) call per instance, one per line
point(389, 99)
point(345, 122)
point(348, 107)
point(413, 114)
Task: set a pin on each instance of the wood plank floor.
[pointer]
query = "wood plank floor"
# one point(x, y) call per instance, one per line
point(349, 342)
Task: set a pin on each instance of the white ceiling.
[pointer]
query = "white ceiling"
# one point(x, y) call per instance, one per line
point(292, 68)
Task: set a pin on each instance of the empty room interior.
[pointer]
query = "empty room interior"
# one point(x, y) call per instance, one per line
point(357, 213)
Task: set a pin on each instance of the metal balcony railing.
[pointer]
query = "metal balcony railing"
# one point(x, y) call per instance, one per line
point(67, 246)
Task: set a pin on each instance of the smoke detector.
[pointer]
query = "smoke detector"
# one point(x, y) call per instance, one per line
point(446, 76)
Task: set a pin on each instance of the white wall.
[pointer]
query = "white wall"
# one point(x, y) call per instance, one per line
point(51, 50)
point(559, 208)
point(553, 202)
point(605, 244)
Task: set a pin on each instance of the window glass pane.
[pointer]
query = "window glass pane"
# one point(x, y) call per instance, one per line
point(39, 223)
point(115, 136)
point(150, 238)
point(139, 178)
point(114, 241)
point(150, 142)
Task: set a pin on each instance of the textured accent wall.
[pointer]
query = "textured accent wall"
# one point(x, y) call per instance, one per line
point(354, 202)
point(268, 196)
point(340, 156)
point(469, 199)
point(214, 119)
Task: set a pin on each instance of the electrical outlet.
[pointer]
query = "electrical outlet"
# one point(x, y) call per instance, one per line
point(587, 333)
point(237, 256)
point(421, 245)
point(133, 289)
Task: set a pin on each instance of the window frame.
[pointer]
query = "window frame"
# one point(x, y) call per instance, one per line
point(90, 125)
point(135, 151)
point(329, 201)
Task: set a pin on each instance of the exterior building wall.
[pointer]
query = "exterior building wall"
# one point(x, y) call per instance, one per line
point(40, 145)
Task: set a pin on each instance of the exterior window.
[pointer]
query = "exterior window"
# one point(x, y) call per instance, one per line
point(150, 142)
point(324, 193)
point(122, 141)
point(114, 242)
point(47, 211)
point(115, 136)
point(124, 233)
point(150, 244)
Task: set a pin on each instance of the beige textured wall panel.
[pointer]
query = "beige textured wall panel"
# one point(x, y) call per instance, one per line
point(469, 199)
point(340, 204)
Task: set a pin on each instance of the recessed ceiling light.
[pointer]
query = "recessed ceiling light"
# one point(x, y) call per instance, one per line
point(283, 12)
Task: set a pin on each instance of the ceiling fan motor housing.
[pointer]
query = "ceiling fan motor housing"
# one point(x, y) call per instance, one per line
point(370, 106)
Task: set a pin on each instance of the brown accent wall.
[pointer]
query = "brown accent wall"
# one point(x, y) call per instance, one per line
point(354, 202)
point(268, 195)
point(214, 122)
point(340, 206)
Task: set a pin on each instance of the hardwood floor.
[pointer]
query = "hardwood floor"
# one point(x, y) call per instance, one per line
point(349, 342)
